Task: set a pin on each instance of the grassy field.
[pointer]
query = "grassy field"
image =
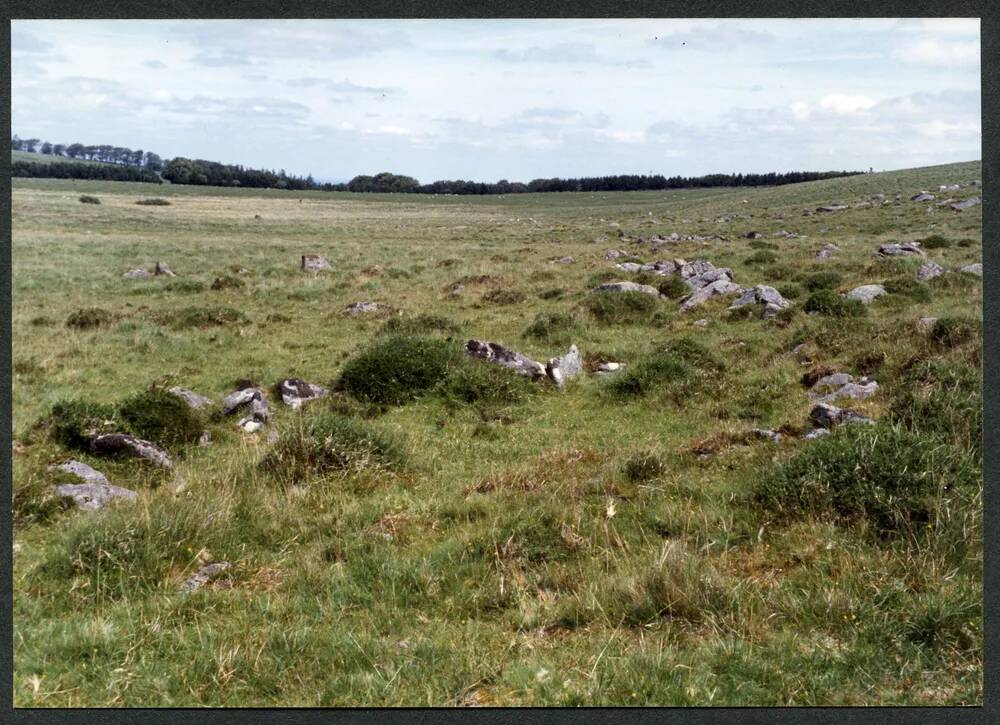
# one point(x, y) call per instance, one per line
point(622, 542)
point(49, 158)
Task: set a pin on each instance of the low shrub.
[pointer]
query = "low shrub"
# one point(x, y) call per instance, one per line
point(691, 351)
point(820, 280)
point(761, 244)
point(944, 399)
point(621, 307)
point(552, 326)
point(88, 318)
point(777, 272)
point(158, 416)
point(790, 290)
point(553, 293)
point(504, 297)
point(828, 302)
point(934, 241)
point(954, 331)
point(73, 423)
point(883, 477)
point(672, 287)
point(399, 368)
point(330, 443)
point(207, 317)
point(643, 467)
point(761, 257)
point(908, 287)
point(599, 278)
point(420, 325)
point(87, 199)
point(227, 281)
point(657, 372)
point(155, 201)
point(478, 382)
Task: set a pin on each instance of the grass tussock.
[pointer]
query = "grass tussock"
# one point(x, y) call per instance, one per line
point(827, 302)
point(89, 318)
point(424, 324)
point(158, 416)
point(196, 317)
point(399, 368)
point(553, 327)
point(155, 201)
point(621, 308)
point(88, 199)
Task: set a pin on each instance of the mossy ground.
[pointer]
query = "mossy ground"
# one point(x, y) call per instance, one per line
point(562, 549)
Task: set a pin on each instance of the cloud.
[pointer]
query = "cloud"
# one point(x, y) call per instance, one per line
point(563, 53)
point(344, 86)
point(220, 59)
point(943, 129)
point(800, 111)
point(24, 43)
point(713, 39)
point(940, 53)
point(844, 105)
point(154, 64)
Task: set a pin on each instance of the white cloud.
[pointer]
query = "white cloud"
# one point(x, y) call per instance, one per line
point(944, 129)
point(930, 51)
point(845, 105)
point(800, 111)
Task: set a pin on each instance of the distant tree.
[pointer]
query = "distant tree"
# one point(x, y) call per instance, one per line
point(75, 151)
point(16, 144)
point(46, 148)
point(59, 149)
point(30, 144)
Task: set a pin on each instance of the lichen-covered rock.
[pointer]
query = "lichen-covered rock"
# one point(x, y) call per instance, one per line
point(866, 293)
point(123, 444)
point(138, 274)
point(95, 492)
point(766, 435)
point(203, 576)
point(976, 269)
point(816, 433)
point(899, 250)
point(564, 260)
point(295, 391)
point(162, 269)
point(842, 385)
point(626, 287)
point(630, 267)
point(496, 353)
point(240, 398)
point(193, 399)
point(314, 263)
point(967, 204)
point(258, 416)
point(613, 254)
point(719, 288)
point(761, 294)
point(559, 369)
point(922, 196)
point(825, 415)
point(827, 252)
point(356, 309)
point(929, 270)
point(701, 273)
point(832, 207)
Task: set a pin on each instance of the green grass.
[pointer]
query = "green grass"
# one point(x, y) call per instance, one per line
point(442, 531)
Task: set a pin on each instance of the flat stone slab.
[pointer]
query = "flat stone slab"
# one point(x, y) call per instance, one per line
point(94, 496)
point(761, 294)
point(866, 293)
point(842, 385)
point(967, 204)
point(832, 207)
point(240, 398)
point(627, 287)
point(719, 288)
point(356, 309)
point(929, 270)
point(193, 399)
point(922, 196)
point(138, 274)
point(295, 391)
point(899, 250)
point(203, 576)
point(123, 444)
point(976, 269)
point(314, 263)
point(493, 352)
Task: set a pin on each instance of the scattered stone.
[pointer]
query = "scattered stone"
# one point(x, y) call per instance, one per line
point(976, 269)
point(922, 196)
point(967, 204)
point(161, 268)
point(314, 263)
point(295, 391)
point(804, 352)
point(926, 323)
point(612, 254)
point(190, 397)
point(242, 397)
point(203, 576)
point(206, 438)
point(929, 270)
point(137, 274)
point(946, 202)
point(606, 368)
point(364, 308)
point(827, 252)
point(565, 366)
point(754, 235)
point(825, 415)
point(258, 416)
point(123, 444)
point(95, 492)
point(701, 273)
point(766, 435)
point(631, 267)
point(899, 250)
point(832, 207)
point(661, 267)
point(866, 293)
point(816, 433)
point(701, 323)
point(719, 288)
point(762, 294)
point(842, 385)
point(627, 287)
point(495, 353)
point(949, 187)
point(564, 260)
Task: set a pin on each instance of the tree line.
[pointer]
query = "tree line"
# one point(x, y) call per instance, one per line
point(181, 170)
point(103, 153)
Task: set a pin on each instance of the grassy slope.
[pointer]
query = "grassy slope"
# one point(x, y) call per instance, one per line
point(461, 603)
point(49, 159)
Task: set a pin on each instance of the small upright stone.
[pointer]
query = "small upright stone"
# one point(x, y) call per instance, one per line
point(565, 366)
point(866, 293)
point(314, 263)
point(929, 270)
point(162, 269)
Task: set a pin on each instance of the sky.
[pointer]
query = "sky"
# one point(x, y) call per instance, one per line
point(508, 99)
